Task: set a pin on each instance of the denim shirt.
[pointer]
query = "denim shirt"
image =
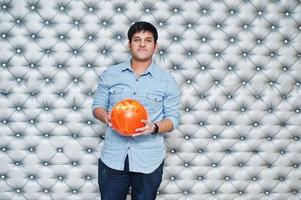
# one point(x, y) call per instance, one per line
point(158, 91)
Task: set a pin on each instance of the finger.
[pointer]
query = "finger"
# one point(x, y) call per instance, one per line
point(141, 129)
point(137, 134)
point(145, 121)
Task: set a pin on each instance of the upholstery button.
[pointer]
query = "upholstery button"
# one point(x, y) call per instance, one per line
point(172, 178)
point(88, 177)
point(3, 176)
point(4, 64)
point(45, 190)
point(269, 138)
point(202, 123)
point(227, 151)
point(227, 178)
point(201, 151)
point(60, 149)
point(31, 177)
point(45, 163)
point(74, 191)
point(186, 137)
point(281, 178)
point(74, 163)
point(294, 191)
point(186, 164)
point(242, 109)
point(214, 137)
point(31, 149)
point(18, 190)
point(259, 12)
point(268, 165)
point(18, 135)
point(204, 39)
point(19, 79)
point(200, 178)
point(254, 178)
point(4, 149)
point(172, 151)
point(214, 164)
point(60, 178)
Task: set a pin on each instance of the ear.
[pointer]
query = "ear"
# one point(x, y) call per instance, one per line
point(129, 45)
point(156, 47)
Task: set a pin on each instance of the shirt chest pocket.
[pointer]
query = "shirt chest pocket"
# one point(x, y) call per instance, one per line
point(116, 95)
point(155, 101)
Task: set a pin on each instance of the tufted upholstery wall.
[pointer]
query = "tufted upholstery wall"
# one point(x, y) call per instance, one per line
point(238, 63)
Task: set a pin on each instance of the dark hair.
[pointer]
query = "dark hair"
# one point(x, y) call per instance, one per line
point(142, 26)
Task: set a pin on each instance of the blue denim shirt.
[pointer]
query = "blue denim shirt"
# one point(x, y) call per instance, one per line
point(158, 91)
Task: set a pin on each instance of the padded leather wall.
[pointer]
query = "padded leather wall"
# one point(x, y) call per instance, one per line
point(238, 63)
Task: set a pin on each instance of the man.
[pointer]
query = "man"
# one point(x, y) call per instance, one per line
point(136, 162)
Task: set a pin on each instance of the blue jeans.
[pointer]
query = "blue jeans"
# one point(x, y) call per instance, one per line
point(115, 184)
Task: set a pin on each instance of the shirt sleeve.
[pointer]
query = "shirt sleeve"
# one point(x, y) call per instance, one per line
point(171, 103)
point(101, 97)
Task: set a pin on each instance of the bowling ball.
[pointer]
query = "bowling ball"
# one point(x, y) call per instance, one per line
point(126, 116)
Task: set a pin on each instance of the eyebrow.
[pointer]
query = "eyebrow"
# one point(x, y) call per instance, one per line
point(137, 37)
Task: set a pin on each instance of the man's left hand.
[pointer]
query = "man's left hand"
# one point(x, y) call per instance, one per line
point(146, 130)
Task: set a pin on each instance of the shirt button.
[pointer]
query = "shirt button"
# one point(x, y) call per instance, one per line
point(134, 93)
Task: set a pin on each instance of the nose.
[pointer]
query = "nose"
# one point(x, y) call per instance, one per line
point(142, 43)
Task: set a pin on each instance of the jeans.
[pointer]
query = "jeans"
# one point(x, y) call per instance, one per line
point(115, 184)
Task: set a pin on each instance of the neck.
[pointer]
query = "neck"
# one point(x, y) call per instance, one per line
point(140, 66)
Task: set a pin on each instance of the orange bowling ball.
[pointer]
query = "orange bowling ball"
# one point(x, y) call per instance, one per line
point(126, 116)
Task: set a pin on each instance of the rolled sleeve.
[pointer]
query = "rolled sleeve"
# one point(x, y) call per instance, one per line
point(101, 98)
point(172, 103)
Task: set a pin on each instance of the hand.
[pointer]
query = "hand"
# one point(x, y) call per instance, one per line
point(146, 130)
point(108, 119)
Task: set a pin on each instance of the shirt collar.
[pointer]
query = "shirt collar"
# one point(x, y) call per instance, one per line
point(150, 70)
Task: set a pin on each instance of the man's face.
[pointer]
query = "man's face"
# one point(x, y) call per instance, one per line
point(142, 46)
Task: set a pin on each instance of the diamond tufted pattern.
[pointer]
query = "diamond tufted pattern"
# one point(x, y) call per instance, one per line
point(239, 67)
